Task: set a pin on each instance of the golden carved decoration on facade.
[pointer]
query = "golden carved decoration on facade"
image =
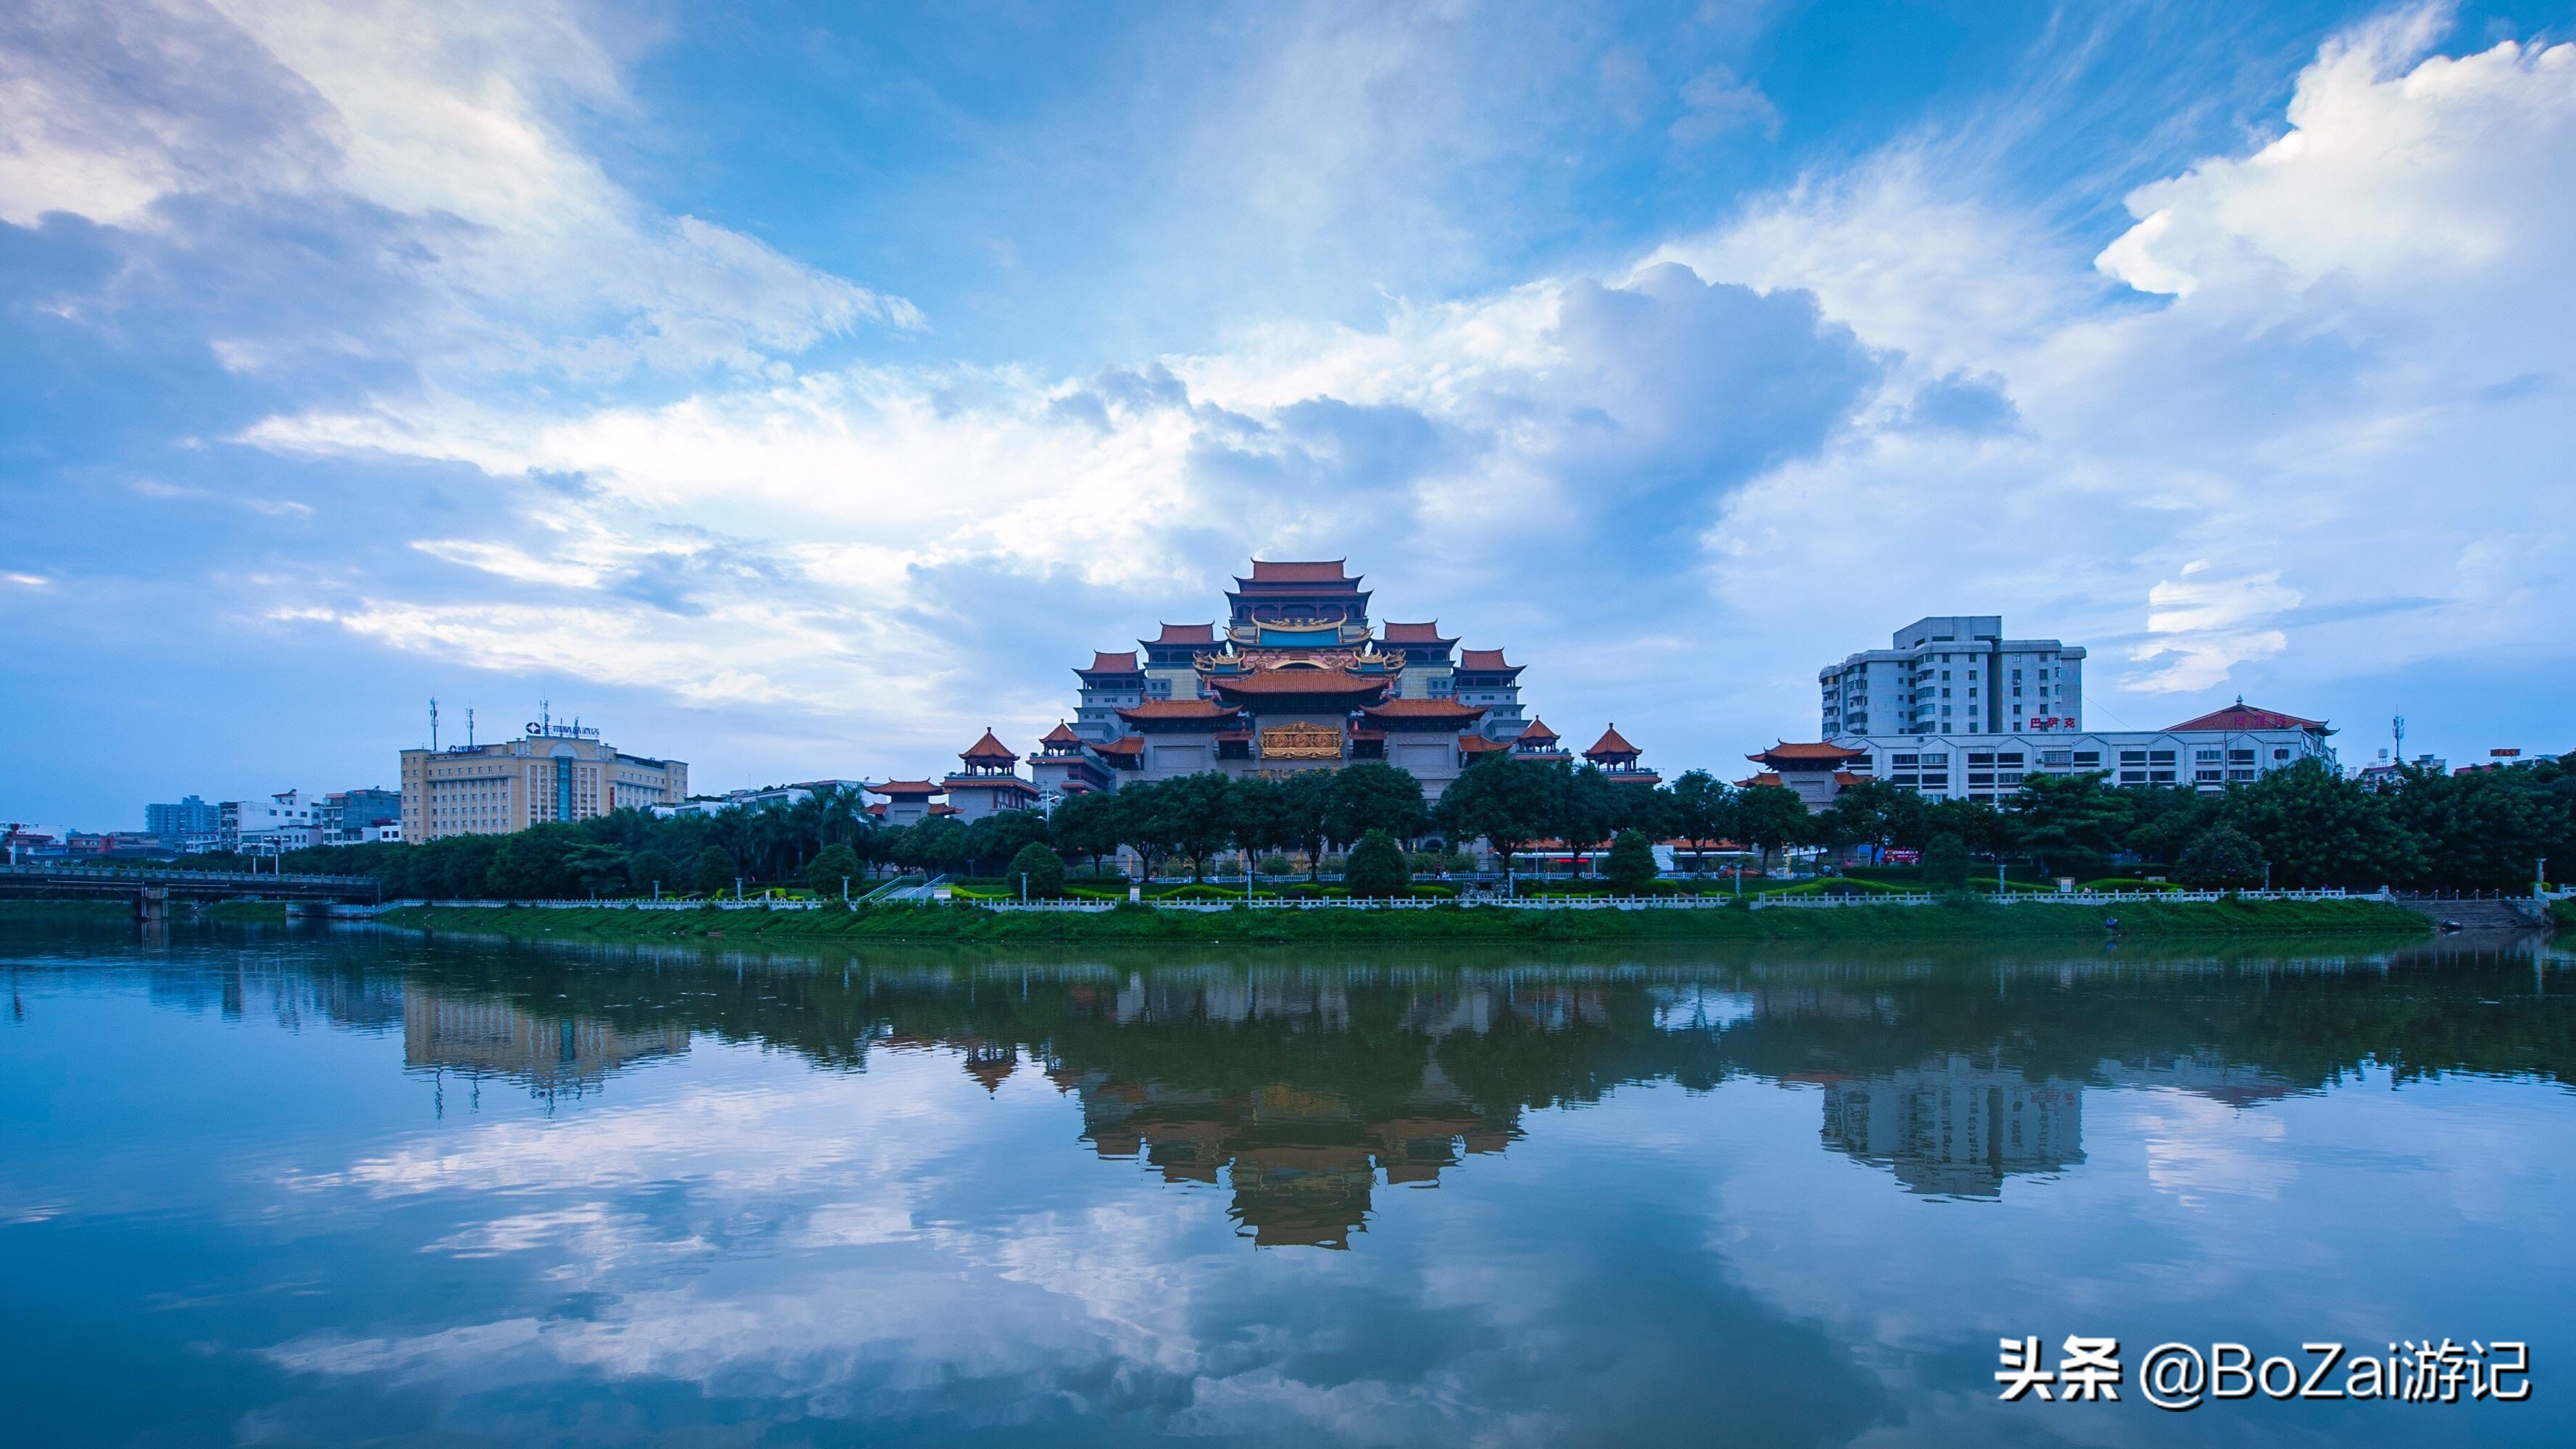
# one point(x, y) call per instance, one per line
point(1301, 742)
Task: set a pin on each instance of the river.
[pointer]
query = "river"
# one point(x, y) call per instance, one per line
point(344, 1185)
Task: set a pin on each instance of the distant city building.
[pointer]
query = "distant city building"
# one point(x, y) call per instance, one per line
point(175, 823)
point(795, 794)
point(556, 773)
point(1955, 1128)
point(281, 822)
point(1955, 674)
point(357, 817)
point(2231, 746)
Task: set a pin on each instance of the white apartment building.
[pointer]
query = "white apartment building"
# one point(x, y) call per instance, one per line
point(1955, 674)
point(2231, 746)
point(283, 821)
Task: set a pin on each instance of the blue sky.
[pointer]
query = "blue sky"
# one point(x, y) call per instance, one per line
point(798, 392)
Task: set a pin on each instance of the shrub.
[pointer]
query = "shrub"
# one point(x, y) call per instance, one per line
point(1041, 866)
point(831, 866)
point(1375, 867)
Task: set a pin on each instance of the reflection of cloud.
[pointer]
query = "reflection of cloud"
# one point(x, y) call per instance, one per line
point(2198, 1149)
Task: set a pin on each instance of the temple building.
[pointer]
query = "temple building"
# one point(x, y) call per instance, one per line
point(1296, 677)
point(989, 783)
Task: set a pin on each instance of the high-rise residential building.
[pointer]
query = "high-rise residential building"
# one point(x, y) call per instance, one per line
point(557, 772)
point(1955, 674)
point(356, 817)
point(182, 819)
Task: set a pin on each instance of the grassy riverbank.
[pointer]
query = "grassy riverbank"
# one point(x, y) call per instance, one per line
point(1964, 921)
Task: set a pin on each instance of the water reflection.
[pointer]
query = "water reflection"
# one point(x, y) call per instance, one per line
point(478, 1036)
point(1957, 1128)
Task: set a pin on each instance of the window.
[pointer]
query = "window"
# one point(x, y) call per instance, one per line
point(2087, 758)
point(2240, 774)
point(2009, 777)
point(2240, 757)
point(2133, 757)
point(2059, 758)
point(2160, 757)
point(2204, 757)
point(2204, 777)
point(2280, 754)
point(2009, 759)
point(1977, 758)
point(2133, 777)
point(1978, 778)
point(2160, 777)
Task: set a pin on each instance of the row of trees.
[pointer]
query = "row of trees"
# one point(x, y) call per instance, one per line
point(2303, 825)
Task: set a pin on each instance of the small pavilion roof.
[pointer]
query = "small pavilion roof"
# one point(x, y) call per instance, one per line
point(1537, 732)
point(1428, 633)
point(1479, 745)
point(1611, 745)
point(1123, 745)
point(1186, 634)
point(903, 788)
point(2242, 716)
point(1062, 734)
point(1765, 778)
point(989, 750)
point(1106, 663)
point(1485, 659)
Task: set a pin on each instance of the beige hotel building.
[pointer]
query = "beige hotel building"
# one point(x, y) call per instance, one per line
point(558, 772)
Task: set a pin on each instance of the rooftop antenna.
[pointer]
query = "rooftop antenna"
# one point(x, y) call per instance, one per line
point(469, 726)
point(545, 716)
point(2397, 727)
point(433, 724)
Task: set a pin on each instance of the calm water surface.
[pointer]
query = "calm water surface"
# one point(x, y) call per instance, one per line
point(336, 1188)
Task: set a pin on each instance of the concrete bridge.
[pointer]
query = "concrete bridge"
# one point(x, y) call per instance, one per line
point(153, 890)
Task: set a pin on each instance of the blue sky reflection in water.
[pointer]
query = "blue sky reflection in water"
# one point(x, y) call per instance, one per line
point(317, 1190)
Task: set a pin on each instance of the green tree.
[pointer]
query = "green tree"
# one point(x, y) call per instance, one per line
point(1504, 802)
point(937, 845)
point(999, 836)
point(2317, 828)
point(2163, 819)
point(1084, 825)
point(1874, 812)
point(832, 868)
point(1771, 817)
point(1145, 823)
point(1374, 796)
point(712, 873)
point(647, 869)
point(2221, 859)
point(1375, 867)
point(1583, 811)
point(1945, 861)
point(1257, 813)
point(1703, 812)
point(1197, 816)
point(1630, 865)
point(1306, 803)
point(598, 869)
point(1040, 868)
point(2064, 820)
point(1980, 827)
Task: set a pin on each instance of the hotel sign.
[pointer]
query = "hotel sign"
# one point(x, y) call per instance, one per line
point(1301, 742)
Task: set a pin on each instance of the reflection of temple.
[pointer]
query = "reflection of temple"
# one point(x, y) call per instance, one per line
point(1302, 1164)
point(487, 1036)
point(1957, 1129)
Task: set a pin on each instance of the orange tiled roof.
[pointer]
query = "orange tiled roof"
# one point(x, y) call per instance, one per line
point(904, 787)
point(1610, 743)
point(1062, 734)
point(1763, 779)
point(1479, 745)
point(1416, 633)
point(1187, 634)
point(1125, 745)
point(1276, 682)
point(1483, 659)
point(1102, 663)
point(1178, 709)
point(1326, 571)
point(988, 748)
point(1423, 709)
point(1818, 750)
point(2241, 716)
point(1537, 730)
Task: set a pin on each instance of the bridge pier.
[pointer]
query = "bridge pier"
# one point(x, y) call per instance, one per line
point(152, 906)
